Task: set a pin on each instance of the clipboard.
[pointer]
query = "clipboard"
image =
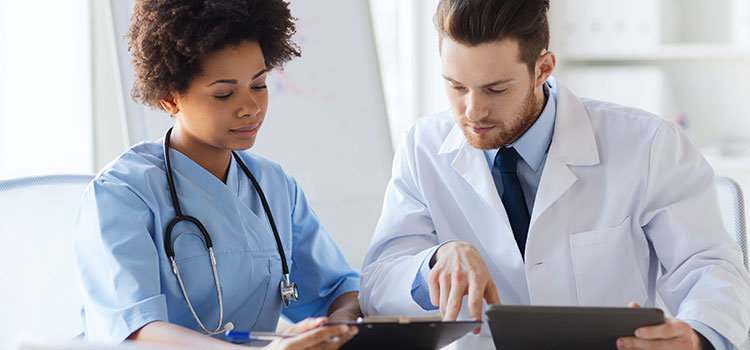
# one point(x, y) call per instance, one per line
point(563, 327)
point(406, 333)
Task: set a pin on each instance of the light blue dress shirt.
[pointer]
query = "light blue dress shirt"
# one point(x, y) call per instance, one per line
point(126, 277)
point(533, 147)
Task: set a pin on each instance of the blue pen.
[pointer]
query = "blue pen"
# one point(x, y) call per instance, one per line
point(245, 336)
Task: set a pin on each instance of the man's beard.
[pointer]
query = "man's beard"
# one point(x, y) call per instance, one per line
point(508, 132)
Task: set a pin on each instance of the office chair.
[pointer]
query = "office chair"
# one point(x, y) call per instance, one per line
point(733, 212)
point(40, 297)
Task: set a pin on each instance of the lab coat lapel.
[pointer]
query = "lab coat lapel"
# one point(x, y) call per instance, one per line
point(471, 164)
point(573, 144)
point(494, 233)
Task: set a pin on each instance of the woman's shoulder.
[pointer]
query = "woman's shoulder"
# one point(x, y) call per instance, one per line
point(261, 166)
point(140, 165)
point(269, 173)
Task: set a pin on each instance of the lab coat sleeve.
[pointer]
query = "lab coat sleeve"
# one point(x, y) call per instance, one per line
point(117, 263)
point(318, 267)
point(394, 273)
point(703, 276)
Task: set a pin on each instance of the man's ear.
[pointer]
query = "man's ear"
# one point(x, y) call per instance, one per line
point(169, 104)
point(545, 66)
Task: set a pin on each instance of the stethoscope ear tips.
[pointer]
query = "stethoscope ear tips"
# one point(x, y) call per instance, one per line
point(229, 326)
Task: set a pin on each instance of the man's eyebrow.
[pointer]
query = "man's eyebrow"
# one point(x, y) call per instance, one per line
point(498, 82)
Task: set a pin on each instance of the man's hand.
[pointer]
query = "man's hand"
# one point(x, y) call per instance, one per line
point(672, 334)
point(459, 270)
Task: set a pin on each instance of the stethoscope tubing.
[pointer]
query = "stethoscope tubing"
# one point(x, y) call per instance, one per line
point(288, 289)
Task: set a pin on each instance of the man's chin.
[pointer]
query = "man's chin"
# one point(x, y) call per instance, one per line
point(482, 142)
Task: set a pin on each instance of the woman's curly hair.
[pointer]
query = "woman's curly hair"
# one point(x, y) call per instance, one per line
point(169, 38)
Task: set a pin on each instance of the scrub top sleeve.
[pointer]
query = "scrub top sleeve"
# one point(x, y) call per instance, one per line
point(703, 276)
point(318, 267)
point(117, 263)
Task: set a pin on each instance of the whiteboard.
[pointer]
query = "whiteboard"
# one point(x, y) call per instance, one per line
point(326, 122)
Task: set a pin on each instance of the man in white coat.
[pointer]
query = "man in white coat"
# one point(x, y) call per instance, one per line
point(524, 193)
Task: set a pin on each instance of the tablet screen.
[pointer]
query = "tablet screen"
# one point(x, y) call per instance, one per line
point(546, 327)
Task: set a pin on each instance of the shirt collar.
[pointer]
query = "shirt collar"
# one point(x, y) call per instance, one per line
point(533, 144)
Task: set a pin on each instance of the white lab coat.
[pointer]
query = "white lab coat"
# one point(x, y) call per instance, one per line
point(626, 210)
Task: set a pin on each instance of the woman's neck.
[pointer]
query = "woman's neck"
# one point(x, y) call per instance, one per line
point(215, 160)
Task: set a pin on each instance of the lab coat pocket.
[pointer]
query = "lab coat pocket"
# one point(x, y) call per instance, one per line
point(606, 268)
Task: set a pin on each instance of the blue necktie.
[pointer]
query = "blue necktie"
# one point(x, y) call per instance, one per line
point(513, 199)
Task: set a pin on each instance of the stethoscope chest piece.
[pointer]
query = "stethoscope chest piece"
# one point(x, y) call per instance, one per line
point(288, 291)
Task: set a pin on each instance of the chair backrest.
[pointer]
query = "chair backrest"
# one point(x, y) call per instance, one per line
point(40, 294)
point(733, 212)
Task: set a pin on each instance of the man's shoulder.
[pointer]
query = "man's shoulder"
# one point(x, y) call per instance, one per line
point(440, 122)
point(614, 124)
point(432, 129)
point(609, 116)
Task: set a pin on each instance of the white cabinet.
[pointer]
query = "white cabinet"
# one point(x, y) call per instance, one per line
point(692, 55)
point(686, 60)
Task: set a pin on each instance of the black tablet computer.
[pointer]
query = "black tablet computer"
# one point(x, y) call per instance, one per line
point(561, 327)
point(410, 334)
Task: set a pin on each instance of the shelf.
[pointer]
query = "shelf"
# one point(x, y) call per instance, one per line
point(677, 52)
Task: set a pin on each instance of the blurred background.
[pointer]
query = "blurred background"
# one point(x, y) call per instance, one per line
point(369, 70)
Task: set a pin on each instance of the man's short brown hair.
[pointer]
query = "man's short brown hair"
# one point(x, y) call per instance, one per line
point(474, 22)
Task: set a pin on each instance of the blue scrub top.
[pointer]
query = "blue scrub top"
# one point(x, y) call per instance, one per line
point(127, 279)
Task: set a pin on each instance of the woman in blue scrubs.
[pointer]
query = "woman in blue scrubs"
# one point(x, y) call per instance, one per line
point(206, 63)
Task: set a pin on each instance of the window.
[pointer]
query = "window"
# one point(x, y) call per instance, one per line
point(45, 88)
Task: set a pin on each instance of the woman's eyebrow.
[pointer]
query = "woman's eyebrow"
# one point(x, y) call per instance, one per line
point(234, 81)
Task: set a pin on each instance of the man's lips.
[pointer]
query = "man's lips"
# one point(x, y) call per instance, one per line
point(479, 129)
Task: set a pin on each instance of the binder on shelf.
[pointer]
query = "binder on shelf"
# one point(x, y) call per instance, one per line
point(611, 24)
point(642, 86)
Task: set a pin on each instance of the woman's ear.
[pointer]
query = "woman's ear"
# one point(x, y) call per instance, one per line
point(169, 104)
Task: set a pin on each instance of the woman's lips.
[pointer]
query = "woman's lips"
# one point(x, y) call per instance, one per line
point(246, 132)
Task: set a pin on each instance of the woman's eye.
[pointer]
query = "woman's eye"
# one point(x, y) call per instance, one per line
point(260, 87)
point(223, 97)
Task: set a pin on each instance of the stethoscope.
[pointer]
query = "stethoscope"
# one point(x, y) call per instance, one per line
point(288, 289)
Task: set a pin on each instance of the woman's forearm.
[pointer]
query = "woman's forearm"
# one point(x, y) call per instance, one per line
point(345, 308)
point(164, 333)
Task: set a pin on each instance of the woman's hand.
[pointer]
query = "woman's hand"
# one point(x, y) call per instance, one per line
point(310, 335)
